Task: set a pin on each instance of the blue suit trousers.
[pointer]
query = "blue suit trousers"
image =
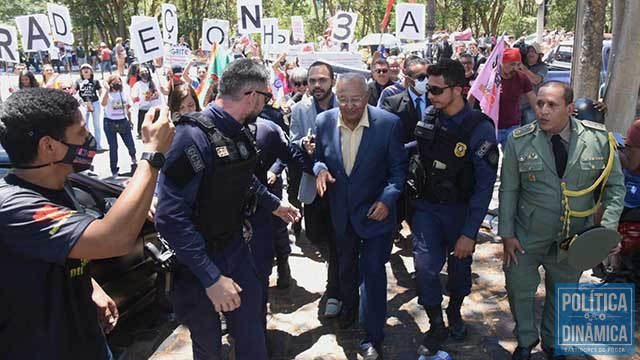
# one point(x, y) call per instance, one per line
point(436, 228)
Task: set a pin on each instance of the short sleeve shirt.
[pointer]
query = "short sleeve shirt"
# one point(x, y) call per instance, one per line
point(512, 90)
point(45, 296)
point(116, 108)
point(88, 89)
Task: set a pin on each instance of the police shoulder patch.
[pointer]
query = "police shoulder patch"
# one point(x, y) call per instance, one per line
point(194, 158)
point(524, 130)
point(594, 125)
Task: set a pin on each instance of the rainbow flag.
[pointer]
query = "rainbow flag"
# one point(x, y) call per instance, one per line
point(218, 61)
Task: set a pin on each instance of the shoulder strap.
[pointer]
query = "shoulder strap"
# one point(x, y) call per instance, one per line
point(470, 123)
point(201, 120)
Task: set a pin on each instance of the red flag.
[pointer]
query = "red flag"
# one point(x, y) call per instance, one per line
point(387, 14)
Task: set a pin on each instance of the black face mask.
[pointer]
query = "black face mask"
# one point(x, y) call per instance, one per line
point(79, 157)
point(116, 87)
point(145, 77)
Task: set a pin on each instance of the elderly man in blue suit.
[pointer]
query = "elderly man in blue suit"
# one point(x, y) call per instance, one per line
point(362, 165)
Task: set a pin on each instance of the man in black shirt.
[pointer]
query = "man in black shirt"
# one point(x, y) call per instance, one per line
point(46, 242)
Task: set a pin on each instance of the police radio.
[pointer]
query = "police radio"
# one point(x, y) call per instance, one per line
point(426, 128)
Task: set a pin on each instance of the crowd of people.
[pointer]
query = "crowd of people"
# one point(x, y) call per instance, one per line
point(364, 157)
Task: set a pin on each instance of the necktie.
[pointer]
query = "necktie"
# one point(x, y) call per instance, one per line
point(418, 110)
point(560, 153)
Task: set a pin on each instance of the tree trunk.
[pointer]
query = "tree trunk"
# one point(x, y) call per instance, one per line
point(431, 17)
point(586, 73)
point(622, 92)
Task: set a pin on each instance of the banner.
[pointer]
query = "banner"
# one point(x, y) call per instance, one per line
point(282, 41)
point(61, 22)
point(344, 26)
point(177, 54)
point(146, 40)
point(35, 32)
point(486, 87)
point(9, 44)
point(215, 31)
point(269, 33)
point(410, 21)
point(169, 24)
point(297, 28)
point(343, 58)
point(249, 16)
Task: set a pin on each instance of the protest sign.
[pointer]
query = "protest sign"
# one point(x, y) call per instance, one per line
point(169, 23)
point(177, 54)
point(282, 41)
point(344, 26)
point(146, 39)
point(297, 28)
point(35, 32)
point(249, 16)
point(305, 59)
point(215, 31)
point(8, 44)
point(410, 21)
point(269, 33)
point(61, 22)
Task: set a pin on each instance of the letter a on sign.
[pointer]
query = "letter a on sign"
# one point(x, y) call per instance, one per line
point(249, 16)
point(61, 23)
point(146, 39)
point(169, 24)
point(410, 20)
point(344, 26)
point(8, 44)
point(35, 32)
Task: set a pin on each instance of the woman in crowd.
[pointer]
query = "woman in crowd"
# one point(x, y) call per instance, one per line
point(88, 89)
point(117, 121)
point(121, 55)
point(182, 99)
point(133, 75)
point(144, 94)
point(536, 70)
point(105, 59)
point(27, 80)
point(50, 77)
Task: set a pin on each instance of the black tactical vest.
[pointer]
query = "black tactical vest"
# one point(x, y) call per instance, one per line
point(223, 196)
point(447, 158)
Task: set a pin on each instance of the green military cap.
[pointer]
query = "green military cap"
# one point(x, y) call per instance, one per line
point(588, 247)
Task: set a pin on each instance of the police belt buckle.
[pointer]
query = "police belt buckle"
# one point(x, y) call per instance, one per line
point(588, 247)
point(247, 231)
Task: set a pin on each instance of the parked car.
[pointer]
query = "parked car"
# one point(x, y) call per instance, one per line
point(133, 280)
point(560, 58)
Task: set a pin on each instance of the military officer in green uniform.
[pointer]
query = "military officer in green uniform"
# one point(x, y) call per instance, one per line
point(549, 172)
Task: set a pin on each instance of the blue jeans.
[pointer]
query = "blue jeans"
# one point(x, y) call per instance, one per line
point(436, 228)
point(503, 135)
point(97, 125)
point(112, 128)
point(105, 65)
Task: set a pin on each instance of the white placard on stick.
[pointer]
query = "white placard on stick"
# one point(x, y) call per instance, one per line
point(146, 39)
point(297, 28)
point(269, 33)
point(60, 23)
point(343, 58)
point(176, 54)
point(344, 26)
point(214, 30)
point(169, 23)
point(35, 32)
point(282, 41)
point(249, 16)
point(410, 21)
point(9, 44)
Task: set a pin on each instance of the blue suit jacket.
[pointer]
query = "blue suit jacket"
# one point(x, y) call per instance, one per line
point(378, 174)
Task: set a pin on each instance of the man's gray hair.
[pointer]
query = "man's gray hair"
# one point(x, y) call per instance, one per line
point(240, 76)
point(298, 74)
point(346, 77)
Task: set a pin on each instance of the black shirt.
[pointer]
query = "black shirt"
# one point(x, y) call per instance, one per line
point(45, 297)
point(88, 89)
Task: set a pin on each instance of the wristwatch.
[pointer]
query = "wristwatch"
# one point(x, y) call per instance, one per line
point(155, 159)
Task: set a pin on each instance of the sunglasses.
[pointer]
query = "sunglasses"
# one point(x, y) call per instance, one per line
point(298, 84)
point(436, 90)
point(382, 71)
point(268, 96)
point(66, 88)
point(420, 77)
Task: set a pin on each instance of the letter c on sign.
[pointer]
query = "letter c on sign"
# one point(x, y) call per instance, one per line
point(343, 21)
point(167, 23)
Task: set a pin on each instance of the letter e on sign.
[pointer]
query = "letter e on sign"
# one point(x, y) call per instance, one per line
point(146, 40)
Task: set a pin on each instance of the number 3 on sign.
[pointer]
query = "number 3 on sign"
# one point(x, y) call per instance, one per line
point(344, 26)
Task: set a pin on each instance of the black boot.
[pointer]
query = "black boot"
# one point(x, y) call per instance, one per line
point(437, 333)
point(284, 272)
point(524, 352)
point(457, 327)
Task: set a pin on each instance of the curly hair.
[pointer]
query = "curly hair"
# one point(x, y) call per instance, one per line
point(30, 114)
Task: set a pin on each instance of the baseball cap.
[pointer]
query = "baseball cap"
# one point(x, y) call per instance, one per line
point(176, 69)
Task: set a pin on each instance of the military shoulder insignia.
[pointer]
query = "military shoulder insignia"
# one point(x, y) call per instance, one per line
point(594, 125)
point(524, 130)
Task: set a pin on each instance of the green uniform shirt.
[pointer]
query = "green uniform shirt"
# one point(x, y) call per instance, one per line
point(531, 206)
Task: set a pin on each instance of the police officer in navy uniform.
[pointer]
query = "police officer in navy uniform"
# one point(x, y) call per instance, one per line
point(453, 177)
point(204, 192)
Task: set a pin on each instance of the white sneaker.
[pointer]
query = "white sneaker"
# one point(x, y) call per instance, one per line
point(332, 308)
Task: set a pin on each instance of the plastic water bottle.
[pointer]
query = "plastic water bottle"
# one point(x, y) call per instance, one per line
point(441, 355)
